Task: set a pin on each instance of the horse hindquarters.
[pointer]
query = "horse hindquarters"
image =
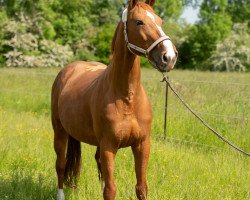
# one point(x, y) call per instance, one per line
point(67, 168)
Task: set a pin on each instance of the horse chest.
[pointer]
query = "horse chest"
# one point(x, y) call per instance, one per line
point(127, 123)
point(128, 131)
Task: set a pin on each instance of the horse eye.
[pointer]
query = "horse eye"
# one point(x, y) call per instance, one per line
point(139, 23)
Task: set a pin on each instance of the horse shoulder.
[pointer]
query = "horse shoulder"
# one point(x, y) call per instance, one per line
point(124, 123)
point(143, 115)
point(143, 108)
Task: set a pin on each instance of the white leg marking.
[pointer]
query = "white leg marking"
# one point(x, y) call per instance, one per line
point(102, 185)
point(170, 50)
point(168, 45)
point(60, 195)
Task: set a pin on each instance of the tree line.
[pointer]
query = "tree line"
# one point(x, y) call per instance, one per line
point(44, 33)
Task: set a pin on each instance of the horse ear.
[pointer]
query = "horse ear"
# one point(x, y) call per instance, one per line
point(150, 2)
point(132, 3)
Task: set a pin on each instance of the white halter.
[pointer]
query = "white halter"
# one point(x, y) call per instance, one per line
point(132, 46)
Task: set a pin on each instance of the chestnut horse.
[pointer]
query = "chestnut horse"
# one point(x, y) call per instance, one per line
point(107, 106)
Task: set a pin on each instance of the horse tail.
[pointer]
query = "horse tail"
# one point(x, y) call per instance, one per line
point(73, 162)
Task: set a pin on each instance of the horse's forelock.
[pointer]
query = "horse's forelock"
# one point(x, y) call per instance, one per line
point(146, 7)
point(143, 5)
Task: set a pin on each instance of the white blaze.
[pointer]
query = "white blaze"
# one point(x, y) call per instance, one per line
point(149, 14)
point(167, 43)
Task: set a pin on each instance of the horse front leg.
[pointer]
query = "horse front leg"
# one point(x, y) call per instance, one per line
point(107, 153)
point(141, 156)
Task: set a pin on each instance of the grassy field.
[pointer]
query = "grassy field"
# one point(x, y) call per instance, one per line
point(192, 164)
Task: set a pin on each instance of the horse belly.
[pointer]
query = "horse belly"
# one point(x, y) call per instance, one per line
point(78, 123)
point(73, 103)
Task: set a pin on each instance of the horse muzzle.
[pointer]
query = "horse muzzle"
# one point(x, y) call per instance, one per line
point(168, 61)
point(165, 62)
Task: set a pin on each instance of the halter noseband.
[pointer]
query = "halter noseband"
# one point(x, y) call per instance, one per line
point(132, 46)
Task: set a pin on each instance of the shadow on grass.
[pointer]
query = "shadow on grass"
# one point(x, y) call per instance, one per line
point(20, 187)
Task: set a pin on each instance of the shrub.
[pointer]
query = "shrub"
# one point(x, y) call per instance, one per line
point(54, 54)
point(24, 49)
point(85, 55)
point(233, 54)
point(48, 30)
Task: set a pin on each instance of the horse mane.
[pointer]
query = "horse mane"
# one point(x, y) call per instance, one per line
point(114, 41)
point(114, 38)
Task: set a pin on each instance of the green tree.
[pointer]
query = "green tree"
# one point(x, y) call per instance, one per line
point(106, 11)
point(14, 7)
point(214, 26)
point(170, 9)
point(102, 42)
point(3, 21)
point(239, 10)
point(68, 18)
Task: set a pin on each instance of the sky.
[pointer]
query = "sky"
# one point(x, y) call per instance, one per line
point(190, 14)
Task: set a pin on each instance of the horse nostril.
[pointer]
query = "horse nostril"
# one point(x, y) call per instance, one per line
point(176, 54)
point(164, 58)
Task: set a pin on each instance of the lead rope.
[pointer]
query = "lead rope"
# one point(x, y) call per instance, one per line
point(166, 109)
point(168, 84)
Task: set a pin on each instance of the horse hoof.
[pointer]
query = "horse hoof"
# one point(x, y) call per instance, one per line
point(60, 195)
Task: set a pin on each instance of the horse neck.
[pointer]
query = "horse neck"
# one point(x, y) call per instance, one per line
point(124, 70)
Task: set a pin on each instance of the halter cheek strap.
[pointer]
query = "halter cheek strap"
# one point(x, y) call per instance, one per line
point(134, 47)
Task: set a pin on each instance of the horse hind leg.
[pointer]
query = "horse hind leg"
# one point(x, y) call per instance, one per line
point(99, 168)
point(67, 168)
point(60, 143)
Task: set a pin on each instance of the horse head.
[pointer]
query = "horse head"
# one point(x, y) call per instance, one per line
point(144, 35)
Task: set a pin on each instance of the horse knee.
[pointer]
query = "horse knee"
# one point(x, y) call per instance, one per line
point(141, 191)
point(109, 192)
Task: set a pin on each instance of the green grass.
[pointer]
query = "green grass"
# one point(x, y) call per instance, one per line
point(177, 170)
